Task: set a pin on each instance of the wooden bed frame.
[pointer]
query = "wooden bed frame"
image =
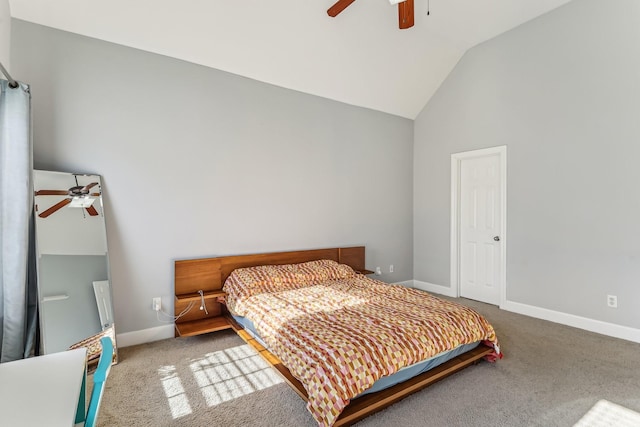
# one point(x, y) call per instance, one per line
point(210, 273)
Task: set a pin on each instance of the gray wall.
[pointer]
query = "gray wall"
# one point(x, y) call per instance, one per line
point(5, 35)
point(69, 320)
point(198, 162)
point(563, 93)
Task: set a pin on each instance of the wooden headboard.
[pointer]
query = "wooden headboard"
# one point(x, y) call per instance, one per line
point(209, 274)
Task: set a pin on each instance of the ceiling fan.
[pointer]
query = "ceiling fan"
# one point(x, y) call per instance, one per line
point(405, 11)
point(78, 196)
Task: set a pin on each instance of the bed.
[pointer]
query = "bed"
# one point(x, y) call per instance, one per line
point(347, 344)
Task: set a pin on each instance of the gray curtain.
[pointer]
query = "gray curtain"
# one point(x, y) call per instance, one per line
point(18, 302)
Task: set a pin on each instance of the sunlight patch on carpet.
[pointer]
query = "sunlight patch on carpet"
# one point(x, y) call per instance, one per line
point(228, 374)
point(173, 389)
point(607, 414)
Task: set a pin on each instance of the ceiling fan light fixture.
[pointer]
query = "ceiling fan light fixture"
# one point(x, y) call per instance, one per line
point(81, 202)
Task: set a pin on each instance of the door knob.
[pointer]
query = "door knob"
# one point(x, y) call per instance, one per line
point(496, 238)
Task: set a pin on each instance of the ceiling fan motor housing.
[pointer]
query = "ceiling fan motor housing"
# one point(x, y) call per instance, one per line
point(78, 191)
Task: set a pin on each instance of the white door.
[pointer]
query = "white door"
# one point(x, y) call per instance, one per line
point(480, 218)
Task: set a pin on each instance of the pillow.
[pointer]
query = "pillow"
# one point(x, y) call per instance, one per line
point(245, 282)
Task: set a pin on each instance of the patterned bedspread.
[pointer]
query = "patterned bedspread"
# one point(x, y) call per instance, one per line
point(338, 331)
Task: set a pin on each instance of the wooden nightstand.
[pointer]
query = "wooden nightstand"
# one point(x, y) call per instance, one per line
point(188, 284)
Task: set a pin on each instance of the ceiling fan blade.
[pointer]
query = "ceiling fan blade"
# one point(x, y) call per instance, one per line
point(338, 7)
point(52, 193)
point(88, 187)
point(62, 203)
point(92, 211)
point(405, 14)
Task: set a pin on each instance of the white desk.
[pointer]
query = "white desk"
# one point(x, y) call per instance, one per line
point(44, 390)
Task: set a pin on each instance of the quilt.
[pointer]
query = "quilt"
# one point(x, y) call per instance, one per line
point(338, 331)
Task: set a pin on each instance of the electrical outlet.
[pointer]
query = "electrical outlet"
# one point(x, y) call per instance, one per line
point(156, 304)
point(391, 268)
point(378, 271)
point(612, 301)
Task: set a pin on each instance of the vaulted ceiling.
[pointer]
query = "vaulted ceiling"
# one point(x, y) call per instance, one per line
point(360, 57)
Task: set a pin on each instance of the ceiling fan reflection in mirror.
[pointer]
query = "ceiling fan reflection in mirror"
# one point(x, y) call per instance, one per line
point(405, 11)
point(78, 197)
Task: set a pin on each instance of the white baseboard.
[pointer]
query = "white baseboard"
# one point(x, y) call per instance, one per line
point(591, 325)
point(143, 336)
point(597, 326)
point(436, 289)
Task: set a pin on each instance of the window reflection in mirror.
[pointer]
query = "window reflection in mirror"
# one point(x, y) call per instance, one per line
point(73, 263)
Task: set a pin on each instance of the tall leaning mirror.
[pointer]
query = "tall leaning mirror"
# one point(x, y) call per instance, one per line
point(74, 289)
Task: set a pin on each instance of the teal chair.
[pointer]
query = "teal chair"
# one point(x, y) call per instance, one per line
point(99, 380)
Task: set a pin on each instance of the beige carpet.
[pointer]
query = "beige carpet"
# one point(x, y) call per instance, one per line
point(552, 375)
